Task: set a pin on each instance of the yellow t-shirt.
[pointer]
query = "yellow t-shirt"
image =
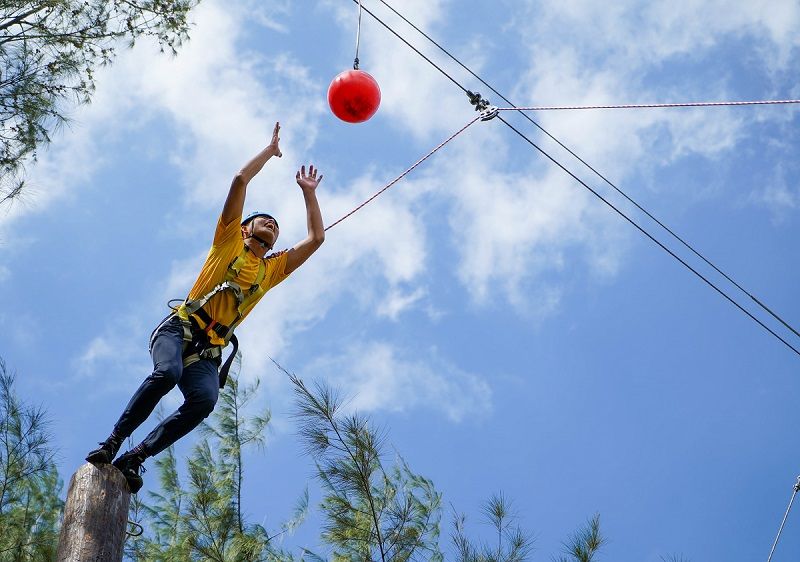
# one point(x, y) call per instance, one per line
point(227, 245)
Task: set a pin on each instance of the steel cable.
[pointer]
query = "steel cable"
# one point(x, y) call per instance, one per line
point(595, 171)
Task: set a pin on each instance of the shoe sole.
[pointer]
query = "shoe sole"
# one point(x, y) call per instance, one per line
point(134, 483)
point(101, 457)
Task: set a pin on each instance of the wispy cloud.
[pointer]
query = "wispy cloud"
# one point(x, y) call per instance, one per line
point(380, 377)
point(516, 225)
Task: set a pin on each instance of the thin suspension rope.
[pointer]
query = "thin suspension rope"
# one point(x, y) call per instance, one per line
point(649, 105)
point(585, 163)
point(408, 171)
point(785, 516)
point(420, 53)
point(358, 36)
point(650, 236)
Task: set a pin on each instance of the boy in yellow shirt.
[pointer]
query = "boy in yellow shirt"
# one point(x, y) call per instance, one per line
point(186, 347)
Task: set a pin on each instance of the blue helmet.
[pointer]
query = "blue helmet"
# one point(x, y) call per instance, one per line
point(255, 214)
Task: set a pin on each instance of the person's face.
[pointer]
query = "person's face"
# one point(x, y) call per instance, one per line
point(266, 229)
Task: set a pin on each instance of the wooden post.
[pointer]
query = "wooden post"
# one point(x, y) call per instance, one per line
point(95, 516)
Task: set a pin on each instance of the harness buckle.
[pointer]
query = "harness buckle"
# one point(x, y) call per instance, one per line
point(211, 352)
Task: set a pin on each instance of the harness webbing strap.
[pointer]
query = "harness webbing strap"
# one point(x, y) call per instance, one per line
point(194, 309)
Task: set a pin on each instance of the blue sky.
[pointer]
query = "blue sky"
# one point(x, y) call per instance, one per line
point(510, 331)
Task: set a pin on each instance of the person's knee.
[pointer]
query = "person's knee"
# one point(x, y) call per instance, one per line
point(167, 373)
point(204, 406)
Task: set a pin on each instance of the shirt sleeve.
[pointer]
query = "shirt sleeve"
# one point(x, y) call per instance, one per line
point(225, 232)
point(276, 264)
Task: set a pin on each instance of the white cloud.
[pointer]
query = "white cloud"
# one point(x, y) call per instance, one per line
point(378, 377)
point(514, 220)
point(99, 349)
point(778, 195)
point(25, 331)
point(383, 250)
point(397, 301)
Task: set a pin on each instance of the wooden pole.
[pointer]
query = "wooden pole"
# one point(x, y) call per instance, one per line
point(95, 516)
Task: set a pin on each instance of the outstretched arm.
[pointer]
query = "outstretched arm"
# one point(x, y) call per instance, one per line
point(316, 230)
point(234, 204)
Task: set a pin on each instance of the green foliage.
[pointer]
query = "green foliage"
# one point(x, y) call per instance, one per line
point(49, 50)
point(202, 519)
point(584, 543)
point(29, 481)
point(512, 544)
point(371, 513)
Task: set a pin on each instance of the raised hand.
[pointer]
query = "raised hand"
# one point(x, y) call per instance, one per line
point(308, 180)
point(273, 145)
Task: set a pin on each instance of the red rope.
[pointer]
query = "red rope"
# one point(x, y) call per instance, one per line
point(404, 174)
point(651, 105)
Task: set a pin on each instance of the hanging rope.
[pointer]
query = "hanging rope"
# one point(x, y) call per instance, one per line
point(600, 175)
point(358, 36)
point(408, 171)
point(410, 46)
point(649, 105)
point(785, 516)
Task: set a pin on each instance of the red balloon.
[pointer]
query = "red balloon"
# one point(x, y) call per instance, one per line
point(354, 96)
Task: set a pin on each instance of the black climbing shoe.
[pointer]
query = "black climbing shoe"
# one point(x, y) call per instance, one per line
point(106, 452)
point(130, 464)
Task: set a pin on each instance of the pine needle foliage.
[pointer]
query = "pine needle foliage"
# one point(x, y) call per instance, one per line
point(29, 482)
point(49, 51)
point(198, 515)
point(510, 544)
point(370, 512)
point(584, 543)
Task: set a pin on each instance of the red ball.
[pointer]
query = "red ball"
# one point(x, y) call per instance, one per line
point(354, 96)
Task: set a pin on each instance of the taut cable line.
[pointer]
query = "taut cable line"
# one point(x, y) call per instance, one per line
point(408, 171)
point(649, 105)
point(584, 162)
point(651, 237)
point(785, 516)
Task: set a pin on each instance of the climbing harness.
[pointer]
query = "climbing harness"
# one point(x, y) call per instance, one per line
point(795, 489)
point(196, 337)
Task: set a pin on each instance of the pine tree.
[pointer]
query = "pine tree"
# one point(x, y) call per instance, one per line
point(202, 519)
point(512, 544)
point(29, 481)
point(49, 50)
point(584, 543)
point(371, 512)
